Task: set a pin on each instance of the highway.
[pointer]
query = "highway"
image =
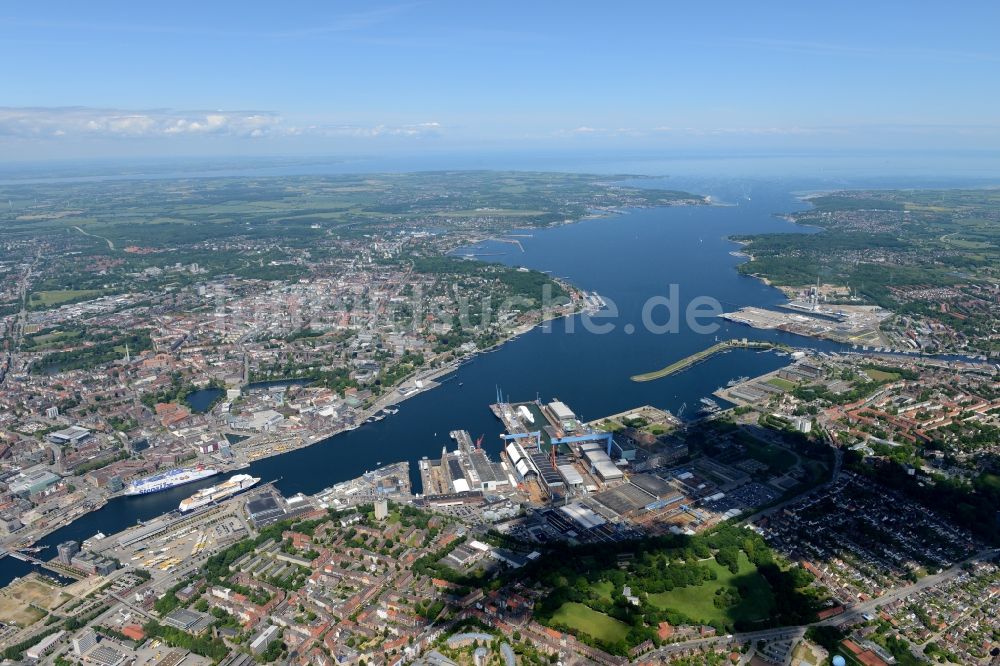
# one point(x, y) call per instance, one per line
point(23, 289)
point(111, 246)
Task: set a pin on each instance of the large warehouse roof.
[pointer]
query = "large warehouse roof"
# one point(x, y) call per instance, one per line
point(561, 411)
point(607, 470)
point(570, 475)
point(583, 516)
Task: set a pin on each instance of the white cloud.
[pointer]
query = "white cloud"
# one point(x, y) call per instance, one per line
point(57, 122)
point(86, 122)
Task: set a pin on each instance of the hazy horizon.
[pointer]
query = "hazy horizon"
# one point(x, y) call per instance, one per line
point(121, 80)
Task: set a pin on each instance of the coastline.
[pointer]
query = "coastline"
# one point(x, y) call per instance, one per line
point(393, 396)
point(576, 306)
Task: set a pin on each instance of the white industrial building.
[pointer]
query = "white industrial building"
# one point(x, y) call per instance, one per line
point(520, 461)
point(571, 476)
point(33, 481)
point(560, 411)
point(600, 463)
point(262, 421)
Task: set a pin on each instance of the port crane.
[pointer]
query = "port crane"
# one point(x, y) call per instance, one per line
point(607, 437)
point(537, 434)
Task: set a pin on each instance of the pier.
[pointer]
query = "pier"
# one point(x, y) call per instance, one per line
point(698, 357)
point(512, 241)
point(463, 439)
point(505, 412)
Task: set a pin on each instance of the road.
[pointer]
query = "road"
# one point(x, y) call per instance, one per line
point(838, 458)
point(111, 245)
point(779, 633)
point(22, 317)
point(853, 614)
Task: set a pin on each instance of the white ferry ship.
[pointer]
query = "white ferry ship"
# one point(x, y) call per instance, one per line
point(169, 479)
point(235, 484)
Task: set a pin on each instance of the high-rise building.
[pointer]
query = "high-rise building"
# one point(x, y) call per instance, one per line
point(66, 550)
point(381, 509)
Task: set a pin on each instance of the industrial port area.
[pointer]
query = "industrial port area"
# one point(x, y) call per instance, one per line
point(850, 324)
point(611, 479)
point(555, 478)
point(238, 563)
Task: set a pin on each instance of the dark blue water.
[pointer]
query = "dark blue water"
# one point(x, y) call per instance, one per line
point(628, 259)
point(202, 400)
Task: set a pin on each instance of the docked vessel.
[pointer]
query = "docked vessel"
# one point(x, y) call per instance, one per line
point(169, 479)
point(225, 490)
point(709, 406)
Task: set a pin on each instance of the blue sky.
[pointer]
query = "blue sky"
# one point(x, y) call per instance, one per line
point(190, 78)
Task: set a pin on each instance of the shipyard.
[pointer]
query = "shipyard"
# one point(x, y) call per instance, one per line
point(610, 478)
point(483, 509)
point(607, 479)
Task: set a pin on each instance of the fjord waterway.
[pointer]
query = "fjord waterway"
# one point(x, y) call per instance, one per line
point(627, 259)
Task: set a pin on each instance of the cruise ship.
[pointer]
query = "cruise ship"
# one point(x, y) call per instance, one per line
point(169, 479)
point(226, 489)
